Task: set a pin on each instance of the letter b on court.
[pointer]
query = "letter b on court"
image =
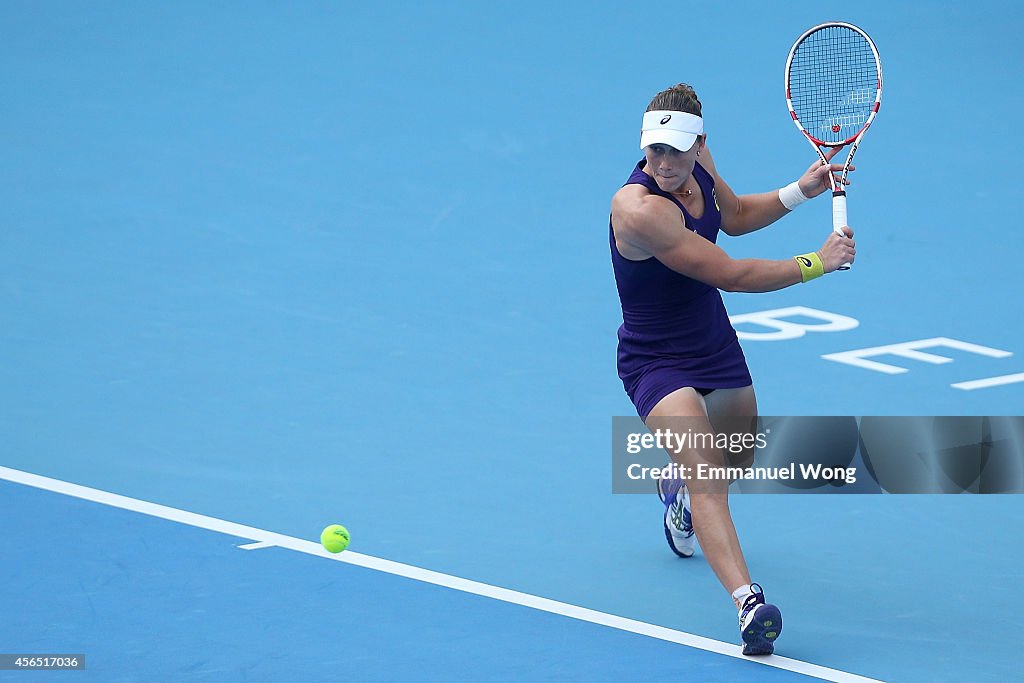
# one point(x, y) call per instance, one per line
point(778, 328)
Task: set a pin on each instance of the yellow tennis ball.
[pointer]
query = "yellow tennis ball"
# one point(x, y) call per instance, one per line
point(335, 538)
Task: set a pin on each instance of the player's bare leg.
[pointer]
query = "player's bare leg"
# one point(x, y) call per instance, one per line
point(709, 499)
point(722, 411)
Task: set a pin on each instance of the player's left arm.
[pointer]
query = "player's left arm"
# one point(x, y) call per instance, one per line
point(742, 214)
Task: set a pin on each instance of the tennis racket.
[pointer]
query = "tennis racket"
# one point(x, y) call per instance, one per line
point(833, 91)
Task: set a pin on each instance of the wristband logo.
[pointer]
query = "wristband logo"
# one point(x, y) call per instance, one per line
point(805, 261)
point(666, 119)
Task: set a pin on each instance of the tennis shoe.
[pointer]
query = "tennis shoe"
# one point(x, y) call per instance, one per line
point(677, 521)
point(760, 623)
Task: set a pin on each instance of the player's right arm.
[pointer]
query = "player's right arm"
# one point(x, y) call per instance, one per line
point(649, 225)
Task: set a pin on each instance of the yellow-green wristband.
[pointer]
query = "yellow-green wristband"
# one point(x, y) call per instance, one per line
point(810, 266)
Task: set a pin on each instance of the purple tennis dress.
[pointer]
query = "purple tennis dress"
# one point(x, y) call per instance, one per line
point(675, 330)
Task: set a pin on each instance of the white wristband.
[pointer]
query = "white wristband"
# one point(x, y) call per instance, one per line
point(791, 196)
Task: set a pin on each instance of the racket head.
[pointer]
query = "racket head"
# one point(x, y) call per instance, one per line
point(833, 83)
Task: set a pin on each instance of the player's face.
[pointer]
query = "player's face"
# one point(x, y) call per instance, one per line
point(668, 166)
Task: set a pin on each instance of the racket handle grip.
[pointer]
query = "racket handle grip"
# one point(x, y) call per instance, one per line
point(838, 211)
point(839, 217)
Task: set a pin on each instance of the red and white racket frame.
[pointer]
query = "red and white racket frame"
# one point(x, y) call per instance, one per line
point(839, 216)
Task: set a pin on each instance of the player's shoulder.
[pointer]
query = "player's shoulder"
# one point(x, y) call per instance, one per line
point(636, 209)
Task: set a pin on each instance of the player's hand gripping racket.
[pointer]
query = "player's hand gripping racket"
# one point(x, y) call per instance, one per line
point(833, 91)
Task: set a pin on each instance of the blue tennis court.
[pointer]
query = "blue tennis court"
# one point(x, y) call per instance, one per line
point(265, 268)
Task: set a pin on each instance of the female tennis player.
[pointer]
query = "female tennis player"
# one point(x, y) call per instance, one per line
point(678, 355)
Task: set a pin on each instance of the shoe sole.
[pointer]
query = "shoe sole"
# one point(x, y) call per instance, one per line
point(760, 634)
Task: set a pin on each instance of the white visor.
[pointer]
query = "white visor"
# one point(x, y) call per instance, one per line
point(677, 129)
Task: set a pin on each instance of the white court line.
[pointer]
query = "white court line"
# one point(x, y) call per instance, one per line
point(989, 382)
point(256, 546)
point(269, 538)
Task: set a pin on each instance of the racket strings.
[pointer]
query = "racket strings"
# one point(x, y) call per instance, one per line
point(833, 83)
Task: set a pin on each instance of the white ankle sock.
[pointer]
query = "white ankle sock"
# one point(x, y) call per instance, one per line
point(741, 594)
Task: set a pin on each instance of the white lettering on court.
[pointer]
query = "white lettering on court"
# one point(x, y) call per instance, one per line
point(910, 350)
point(779, 329)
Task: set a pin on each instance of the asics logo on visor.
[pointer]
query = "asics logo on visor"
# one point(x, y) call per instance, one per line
point(666, 119)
